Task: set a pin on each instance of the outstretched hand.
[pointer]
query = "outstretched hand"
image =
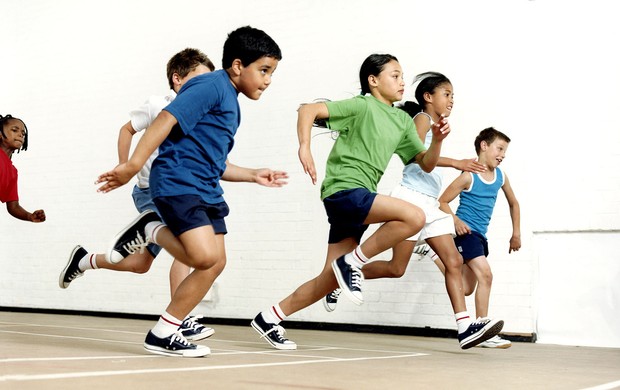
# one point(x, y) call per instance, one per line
point(307, 162)
point(268, 178)
point(441, 129)
point(114, 178)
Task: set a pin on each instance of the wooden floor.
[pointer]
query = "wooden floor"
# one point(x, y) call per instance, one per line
point(52, 351)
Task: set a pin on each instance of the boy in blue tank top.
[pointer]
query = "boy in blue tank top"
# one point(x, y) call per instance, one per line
point(478, 193)
point(194, 135)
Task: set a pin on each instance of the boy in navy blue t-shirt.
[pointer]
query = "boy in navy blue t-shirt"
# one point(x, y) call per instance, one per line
point(194, 135)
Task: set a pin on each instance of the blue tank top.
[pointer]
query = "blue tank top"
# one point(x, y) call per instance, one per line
point(477, 202)
point(416, 179)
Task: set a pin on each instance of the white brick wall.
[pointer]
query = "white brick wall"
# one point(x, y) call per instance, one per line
point(73, 72)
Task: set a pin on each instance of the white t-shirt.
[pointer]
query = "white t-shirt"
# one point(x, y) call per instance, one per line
point(141, 118)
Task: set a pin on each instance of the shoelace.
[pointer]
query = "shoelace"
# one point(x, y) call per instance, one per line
point(76, 274)
point(191, 323)
point(481, 321)
point(279, 333)
point(136, 245)
point(178, 337)
point(335, 294)
point(357, 277)
point(421, 250)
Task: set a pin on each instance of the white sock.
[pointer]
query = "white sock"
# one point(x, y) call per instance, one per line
point(462, 321)
point(166, 325)
point(274, 315)
point(356, 258)
point(88, 262)
point(151, 229)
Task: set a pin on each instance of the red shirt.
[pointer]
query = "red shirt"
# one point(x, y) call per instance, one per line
point(8, 179)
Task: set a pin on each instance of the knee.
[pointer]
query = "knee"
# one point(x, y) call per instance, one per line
point(214, 264)
point(486, 278)
point(396, 271)
point(415, 220)
point(141, 268)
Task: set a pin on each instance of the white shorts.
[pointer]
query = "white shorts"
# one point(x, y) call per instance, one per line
point(438, 223)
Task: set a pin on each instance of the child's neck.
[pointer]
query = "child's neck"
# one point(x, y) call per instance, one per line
point(8, 151)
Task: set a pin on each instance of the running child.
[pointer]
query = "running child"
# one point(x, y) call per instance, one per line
point(371, 130)
point(194, 135)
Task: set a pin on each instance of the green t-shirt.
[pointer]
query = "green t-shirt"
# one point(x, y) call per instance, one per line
point(369, 133)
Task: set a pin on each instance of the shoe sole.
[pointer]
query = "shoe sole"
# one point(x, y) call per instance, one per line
point(326, 306)
point(61, 278)
point(109, 253)
point(276, 346)
point(201, 352)
point(343, 285)
point(495, 346)
point(201, 336)
point(487, 334)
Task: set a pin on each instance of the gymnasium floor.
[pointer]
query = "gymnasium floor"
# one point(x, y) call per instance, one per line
point(53, 351)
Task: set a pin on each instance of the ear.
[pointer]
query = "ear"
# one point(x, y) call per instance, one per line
point(372, 81)
point(484, 145)
point(236, 67)
point(428, 97)
point(176, 79)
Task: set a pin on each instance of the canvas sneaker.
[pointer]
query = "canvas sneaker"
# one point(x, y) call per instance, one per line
point(331, 300)
point(272, 333)
point(424, 251)
point(192, 330)
point(495, 342)
point(71, 270)
point(349, 279)
point(174, 345)
point(131, 239)
point(479, 331)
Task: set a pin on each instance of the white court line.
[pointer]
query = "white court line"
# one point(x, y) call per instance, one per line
point(605, 386)
point(19, 378)
point(69, 337)
point(69, 358)
point(68, 327)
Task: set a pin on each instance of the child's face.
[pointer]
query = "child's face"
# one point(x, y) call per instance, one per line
point(389, 83)
point(495, 152)
point(442, 100)
point(256, 77)
point(15, 133)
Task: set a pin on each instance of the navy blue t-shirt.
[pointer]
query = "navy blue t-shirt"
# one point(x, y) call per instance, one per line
point(192, 159)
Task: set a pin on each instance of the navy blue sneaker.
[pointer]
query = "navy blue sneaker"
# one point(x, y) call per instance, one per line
point(274, 334)
point(331, 300)
point(174, 345)
point(131, 239)
point(72, 271)
point(350, 280)
point(192, 330)
point(479, 331)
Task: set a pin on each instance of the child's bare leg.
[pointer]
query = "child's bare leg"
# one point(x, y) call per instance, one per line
point(196, 248)
point(138, 263)
point(315, 289)
point(453, 262)
point(480, 266)
point(396, 267)
point(469, 278)
point(178, 273)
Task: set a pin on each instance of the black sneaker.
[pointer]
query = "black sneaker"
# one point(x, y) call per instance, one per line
point(350, 279)
point(331, 300)
point(72, 271)
point(174, 345)
point(192, 330)
point(479, 331)
point(274, 334)
point(131, 239)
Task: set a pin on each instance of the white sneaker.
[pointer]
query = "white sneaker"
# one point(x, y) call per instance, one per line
point(495, 342)
point(424, 251)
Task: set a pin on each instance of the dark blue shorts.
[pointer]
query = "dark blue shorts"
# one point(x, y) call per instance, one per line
point(185, 212)
point(346, 212)
point(472, 245)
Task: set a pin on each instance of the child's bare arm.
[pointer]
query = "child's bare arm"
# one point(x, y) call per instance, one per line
point(455, 188)
point(263, 176)
point(306, 115)
point(515, 215)
point(125, 136)
point(17, 211)
point(428, 160)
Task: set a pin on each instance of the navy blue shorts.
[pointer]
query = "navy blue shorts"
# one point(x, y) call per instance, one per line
point(346, 212)
point(186, 212)
point(472, 245)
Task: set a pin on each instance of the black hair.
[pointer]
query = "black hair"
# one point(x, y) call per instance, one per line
point(186, 61)
point(489, 135)
point(249, 44)
point(427, 83)
point(4, 120)
point(372, 66)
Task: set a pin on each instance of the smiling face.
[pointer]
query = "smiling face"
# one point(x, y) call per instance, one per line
point(253, 80)
point(494, 153)
point(388, 86)
point(441, 101)
point(13, 134)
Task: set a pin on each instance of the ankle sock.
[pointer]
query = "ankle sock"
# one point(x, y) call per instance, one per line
point(88, 262)
point(356, 258)
point(151, 229)
point(166, 325)
point(462, 321)
point(274, 315)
